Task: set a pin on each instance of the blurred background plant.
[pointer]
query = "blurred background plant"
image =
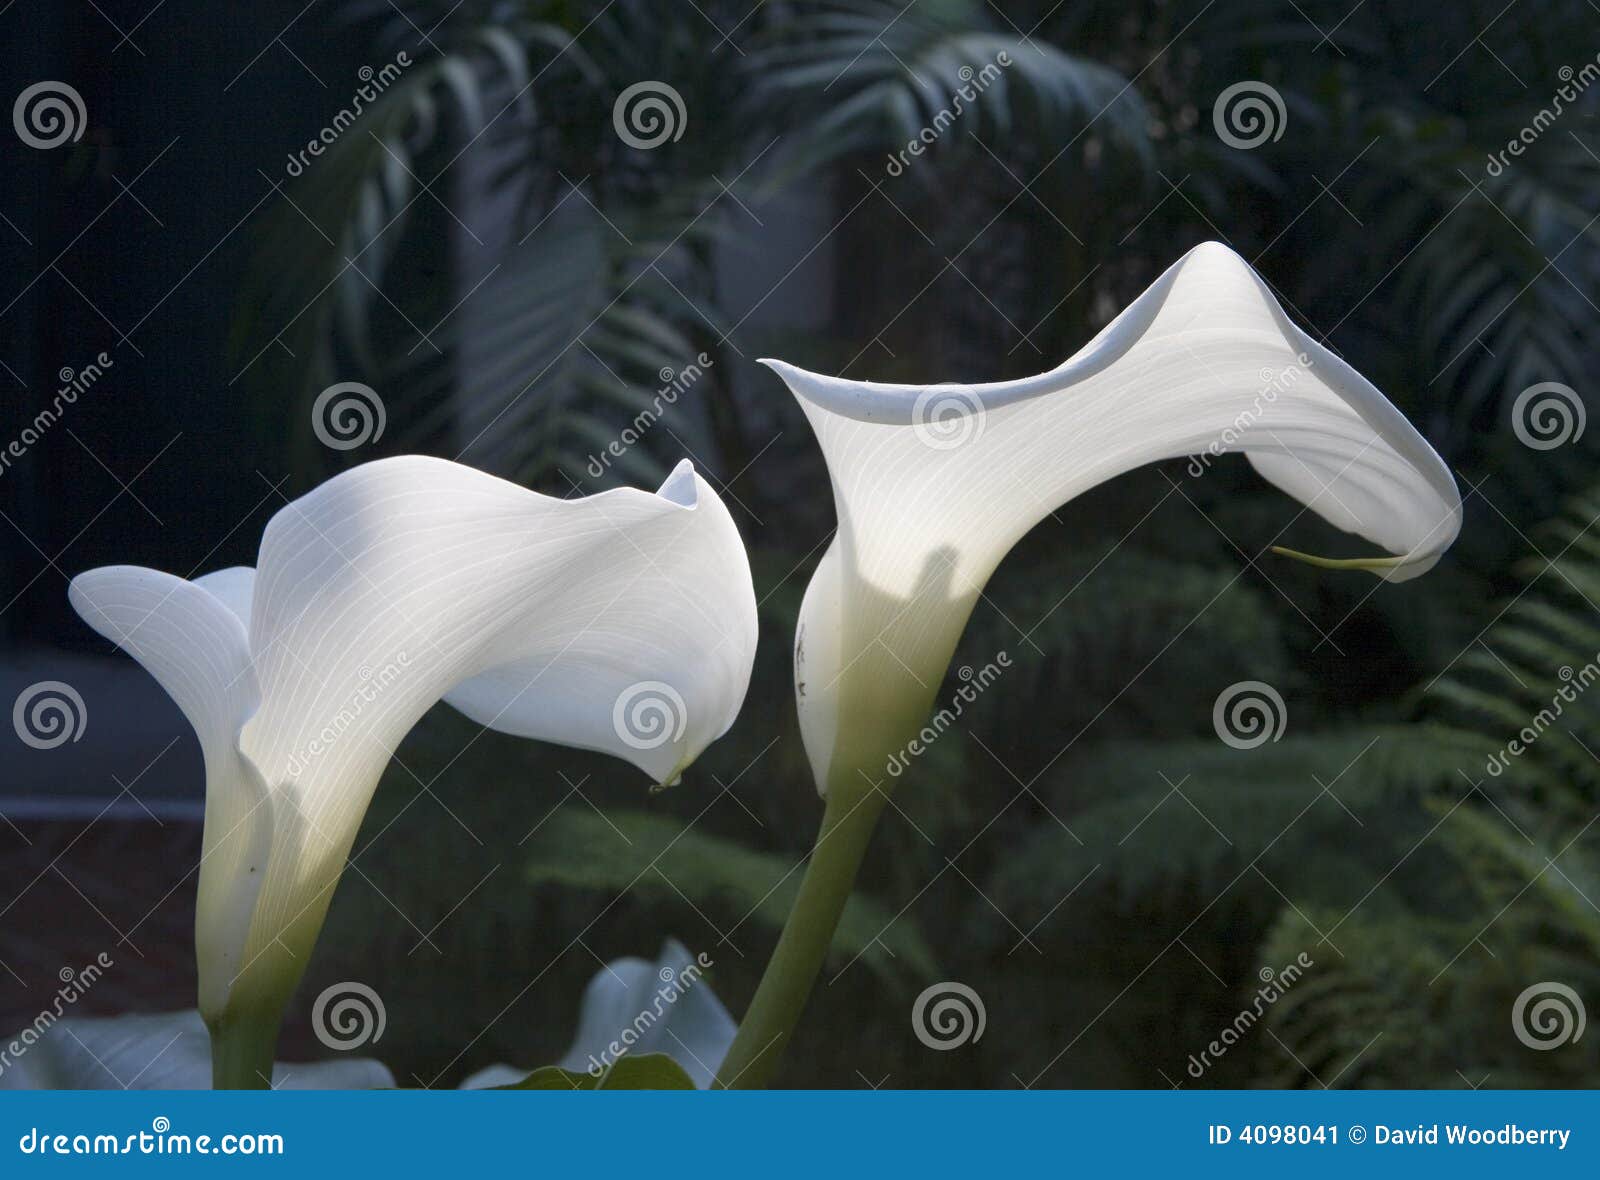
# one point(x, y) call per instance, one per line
point(521, 281)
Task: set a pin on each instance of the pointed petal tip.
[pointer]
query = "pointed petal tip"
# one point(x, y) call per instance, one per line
point(784, 369)
point(674, 776)
point(682, 487)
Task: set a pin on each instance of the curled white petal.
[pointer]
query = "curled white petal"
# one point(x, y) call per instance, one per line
point(197, 649)
point(1179, 372)
point(390, 587)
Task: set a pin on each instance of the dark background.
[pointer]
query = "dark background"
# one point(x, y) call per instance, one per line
point(484, 250)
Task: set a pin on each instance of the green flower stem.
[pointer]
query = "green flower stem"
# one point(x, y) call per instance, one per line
point(847, 827)
point(243, 1047)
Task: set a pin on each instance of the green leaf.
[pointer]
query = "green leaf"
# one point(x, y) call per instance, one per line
point(659, 858)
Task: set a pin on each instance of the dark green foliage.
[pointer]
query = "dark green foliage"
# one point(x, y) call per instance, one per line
point(1522, 853)
point(660, 861)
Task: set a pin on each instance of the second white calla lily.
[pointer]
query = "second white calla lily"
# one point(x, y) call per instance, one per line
point(623, 622)
point(933, 485)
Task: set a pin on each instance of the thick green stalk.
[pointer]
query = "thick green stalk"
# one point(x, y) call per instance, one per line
point(243, 1047)
point(847, 827)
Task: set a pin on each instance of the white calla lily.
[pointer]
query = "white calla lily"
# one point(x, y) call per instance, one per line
point(633, 1007)
point(935, 484)
point(623, 622)
point(159, 1051)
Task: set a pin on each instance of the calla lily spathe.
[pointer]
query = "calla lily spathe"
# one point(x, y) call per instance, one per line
point(623, 622)
point(634, 1006)
point(933, 485)
point(159, 1051)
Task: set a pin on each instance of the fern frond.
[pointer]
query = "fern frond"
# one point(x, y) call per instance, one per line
point(637, 854)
